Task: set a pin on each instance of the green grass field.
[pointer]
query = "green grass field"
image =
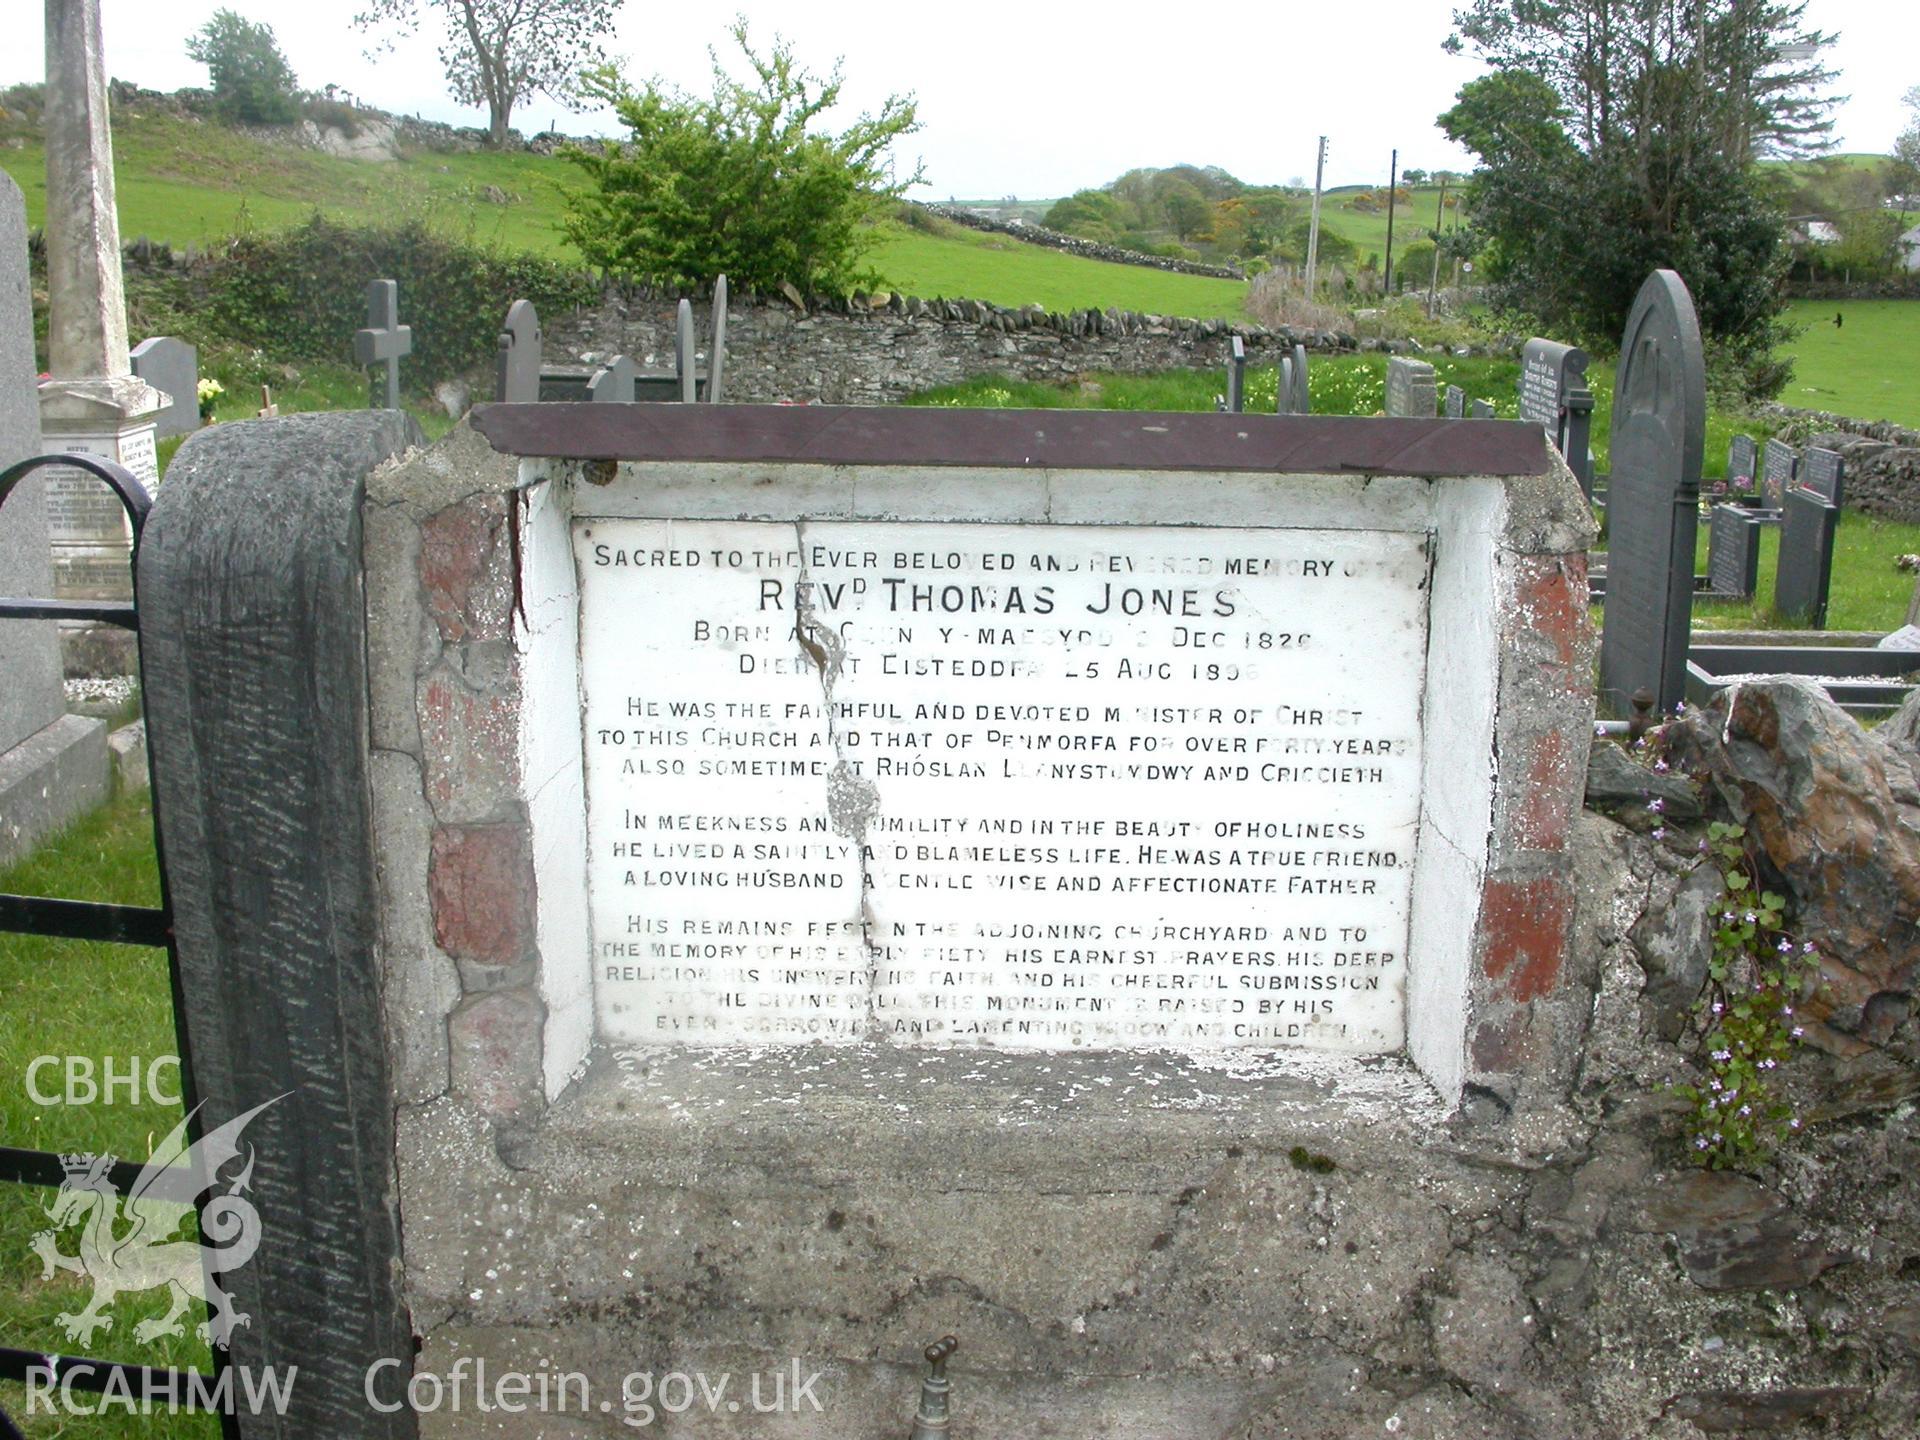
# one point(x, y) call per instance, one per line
point(67, 997)
point(1869, 366)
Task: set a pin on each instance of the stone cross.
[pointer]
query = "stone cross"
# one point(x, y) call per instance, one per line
point(517, 378)
point(717, 349)
point(612, 383)
point(1659, 434)
point(384, 340)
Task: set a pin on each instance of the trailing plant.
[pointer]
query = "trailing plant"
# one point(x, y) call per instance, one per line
point(1747, 1017)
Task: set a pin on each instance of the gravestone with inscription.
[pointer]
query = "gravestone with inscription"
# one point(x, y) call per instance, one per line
point(1456, 403)
point(1804, 570)
point(1411, 388)
point(1778, 465)
point(780, 828)
point(171, 366)
point(1554, 395)
point(517, 370)
point(1733, 551)
point(1742, 462)
point(1823, 472)
point(1659, 433)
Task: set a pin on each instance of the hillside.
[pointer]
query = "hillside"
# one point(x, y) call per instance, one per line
point(192, 183)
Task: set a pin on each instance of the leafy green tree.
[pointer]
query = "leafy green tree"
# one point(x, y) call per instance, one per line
point(739, 183)
point(251, 80)
point(1188, 213)
point(497, 53)
point(1906, 147)
point(1090, 214)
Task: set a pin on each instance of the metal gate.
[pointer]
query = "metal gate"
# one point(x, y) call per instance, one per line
point(118, 924)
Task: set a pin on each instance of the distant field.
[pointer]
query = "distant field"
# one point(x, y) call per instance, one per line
point(1869, 367)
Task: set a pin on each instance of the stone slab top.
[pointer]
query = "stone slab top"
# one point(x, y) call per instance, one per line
point(958, 1101)
point(1016, 439)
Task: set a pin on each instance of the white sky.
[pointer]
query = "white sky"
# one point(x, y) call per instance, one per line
point(1020, 97)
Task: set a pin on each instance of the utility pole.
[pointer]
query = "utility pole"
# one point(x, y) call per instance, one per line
point(1439, 219)
point(1313, 228)
point(1393, 182)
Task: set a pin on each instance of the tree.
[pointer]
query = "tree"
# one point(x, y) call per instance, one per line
point(1618, 136)
point(1090, 214)
point(497, 53)
point(251, 80)
point(739, 183)
point(1906, 147)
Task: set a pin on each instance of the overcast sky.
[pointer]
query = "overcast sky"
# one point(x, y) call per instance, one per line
point(1020, 97)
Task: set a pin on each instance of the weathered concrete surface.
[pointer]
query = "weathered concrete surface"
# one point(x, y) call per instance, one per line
point(50, 778)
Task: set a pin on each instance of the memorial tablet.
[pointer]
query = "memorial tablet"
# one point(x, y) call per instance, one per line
point(993, 784)
point(1822, 472)
point(1733, 551)
point(1742, 457)
point(1778, 463)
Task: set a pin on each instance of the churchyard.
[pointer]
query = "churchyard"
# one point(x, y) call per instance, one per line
point(1182, 880)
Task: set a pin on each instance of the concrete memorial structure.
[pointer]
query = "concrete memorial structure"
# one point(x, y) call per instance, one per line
point(1554, 395)
point(53, 766)
point(696, 783)
point(1778, 465)
point(171, 366)
point(384, 342)
point(1659, 432)
point(1411, 389)
point(92, 403)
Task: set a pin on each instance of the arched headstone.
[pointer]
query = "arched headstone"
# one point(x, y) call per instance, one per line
point(1302, 400)
point(1659, 434)
point(717, 348)
point(612, 383)
point(683, 357)
point(518, 377)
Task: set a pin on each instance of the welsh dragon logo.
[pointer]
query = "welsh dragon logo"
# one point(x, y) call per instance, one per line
point(146, 1254)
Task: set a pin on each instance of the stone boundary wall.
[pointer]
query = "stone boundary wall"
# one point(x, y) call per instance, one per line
point(879, 351)
point(1074, 245)
point(1882, 459)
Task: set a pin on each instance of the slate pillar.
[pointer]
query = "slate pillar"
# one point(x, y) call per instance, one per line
point(254, 639)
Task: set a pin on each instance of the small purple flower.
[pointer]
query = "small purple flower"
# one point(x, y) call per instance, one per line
point(1794, 1124)
point(1723, 1054)
point(1659, 832)
point(1679, 707)
point(1786, 947)
point(1769, 1063)
point(1717, 1007)
point(1786, 1009)
point(1703, 847)
point(1713, 1084)
point(1656, 805)
point(1746, 1110)
point(1751, 917)
point(1701, 1143)
point(1798, 1031)
point(1807, 949)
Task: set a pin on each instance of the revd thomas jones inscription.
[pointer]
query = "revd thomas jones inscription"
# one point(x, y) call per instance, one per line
point(1001, 784)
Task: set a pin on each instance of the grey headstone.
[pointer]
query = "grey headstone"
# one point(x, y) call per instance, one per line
point(1483, 410)
point(1412, 388)
point(683, 352)
point(172, 367)
point(1553, 394)
point(1742, 457)
point(1236, 374)
point(1456, 403)
point(1659, 434)
point(612, 383)
point(382, 343)
point(717, 348)
point(1907, 637)
point(1283, 387)
point(32, 696)
point(1823, 472)
point(1805, 567)
point(1302, 394)
point(517, 379)
point(254, 674)
point(1777, 465)
point(1733, 551)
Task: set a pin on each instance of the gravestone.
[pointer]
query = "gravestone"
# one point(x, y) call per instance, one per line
point(1733, 551)
point(1742, 458)
point(382, 343)
point(53, 766)
point(683, 352)
point(172, 367)
point(1456, 403)
point(717, 344)
point(613, 382)
point(1804, 571)
point(1778, 464)
point(1822, 472)
point(1283, 388)
point(93, 403)
point(1302, 393)
point(1554, 395)
point(1236, 375)
point(1483, 410)
point(1659, 433)
point(517, 374)
point(1299, 783)
point(1411, 389)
